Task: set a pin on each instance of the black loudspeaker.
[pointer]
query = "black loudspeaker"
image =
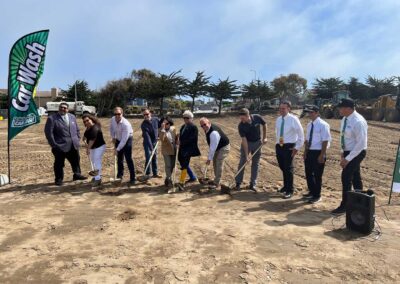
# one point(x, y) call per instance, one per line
point(360, 211)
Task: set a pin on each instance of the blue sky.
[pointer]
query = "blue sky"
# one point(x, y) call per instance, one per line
point(104, 40)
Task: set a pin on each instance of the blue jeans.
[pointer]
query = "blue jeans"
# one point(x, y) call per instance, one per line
point(191, 174)
point(147, 153)
point(126, 152)
point(255, 162)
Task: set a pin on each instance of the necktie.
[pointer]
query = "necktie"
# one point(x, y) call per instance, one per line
point(281, 141)
point(342, 134)
point(65, 118)
point(311, 135)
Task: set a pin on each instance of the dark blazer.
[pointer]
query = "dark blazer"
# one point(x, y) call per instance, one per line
point(59, 135)
point(150, 131)
point(188, 141)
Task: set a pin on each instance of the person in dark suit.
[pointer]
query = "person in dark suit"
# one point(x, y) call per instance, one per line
point(188, 138)
point(62, 133)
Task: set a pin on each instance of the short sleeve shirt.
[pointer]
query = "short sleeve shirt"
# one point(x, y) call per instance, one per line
point(95, 133)
point(252, 130)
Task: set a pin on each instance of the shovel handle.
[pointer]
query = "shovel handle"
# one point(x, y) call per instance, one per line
point(151, 157)
point(175, 166)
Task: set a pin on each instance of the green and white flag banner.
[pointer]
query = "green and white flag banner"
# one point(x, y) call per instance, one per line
point(396, 173)
point(25, 68)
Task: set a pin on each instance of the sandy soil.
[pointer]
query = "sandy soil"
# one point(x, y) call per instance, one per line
point(72, 234)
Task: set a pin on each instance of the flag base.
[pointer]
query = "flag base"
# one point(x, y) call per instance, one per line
point(4, 179)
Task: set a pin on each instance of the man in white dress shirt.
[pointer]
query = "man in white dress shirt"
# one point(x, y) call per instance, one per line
point(353, 141)
point(122, 134)
point(318, 138)
point(219, 149)
point(289, 140)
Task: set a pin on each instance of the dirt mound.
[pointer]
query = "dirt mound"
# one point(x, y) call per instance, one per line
point(127, 215)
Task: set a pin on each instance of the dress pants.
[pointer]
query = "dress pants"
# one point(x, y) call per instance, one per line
point(219, 162)
point(351, 176)
point(255, 162)
point(59, 162)
point(314, 171)
point(285, 161)
point(126, 152)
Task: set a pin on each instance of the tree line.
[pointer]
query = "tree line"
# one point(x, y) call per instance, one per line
point(156, 88)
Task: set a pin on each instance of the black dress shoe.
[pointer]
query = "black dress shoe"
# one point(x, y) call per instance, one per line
point(308, 196)
point(58, 182)
point(282, 190)
point(314, 200)
point(338, 211)
point(132, 182)
point(288, 195)
point(79, 177)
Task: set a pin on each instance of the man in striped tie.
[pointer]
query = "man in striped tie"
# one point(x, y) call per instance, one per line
point(353, 141)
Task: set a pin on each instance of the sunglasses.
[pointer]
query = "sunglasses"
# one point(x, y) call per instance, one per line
point(167, 123)
point(117, 113)
point(146, 114)
point(62, 107)
point(186, 118)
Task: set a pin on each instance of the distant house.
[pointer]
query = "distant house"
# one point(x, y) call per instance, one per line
point(138, 102)
point(42, 97)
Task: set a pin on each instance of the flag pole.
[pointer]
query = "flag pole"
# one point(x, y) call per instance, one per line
point(8, 119)
point(394, 172)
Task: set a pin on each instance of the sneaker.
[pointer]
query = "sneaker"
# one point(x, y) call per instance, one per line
point(157, 176)
point(79, 177)
point(314, 200)
point(287, 195)
point(308, 196)
point(338, 211)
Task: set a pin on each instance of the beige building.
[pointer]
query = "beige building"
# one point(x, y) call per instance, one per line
point(42, 97)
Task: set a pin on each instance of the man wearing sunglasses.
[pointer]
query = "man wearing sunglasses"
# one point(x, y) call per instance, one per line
point(219, 149)
point(62, 133)
point(122, 135)
point(150, 136)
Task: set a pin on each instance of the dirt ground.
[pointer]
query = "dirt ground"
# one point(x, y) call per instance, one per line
point(72, 234)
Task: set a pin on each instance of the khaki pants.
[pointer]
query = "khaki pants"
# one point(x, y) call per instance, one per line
point(169, 163)
point(219, 162)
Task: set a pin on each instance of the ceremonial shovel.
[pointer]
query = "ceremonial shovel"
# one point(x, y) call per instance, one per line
point(227, 189)
point(204, 179)
point(115, 180)
point(173, 189)
point(146, 177)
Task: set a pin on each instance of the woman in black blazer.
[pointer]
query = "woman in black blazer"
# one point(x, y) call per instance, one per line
point(188, 148)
